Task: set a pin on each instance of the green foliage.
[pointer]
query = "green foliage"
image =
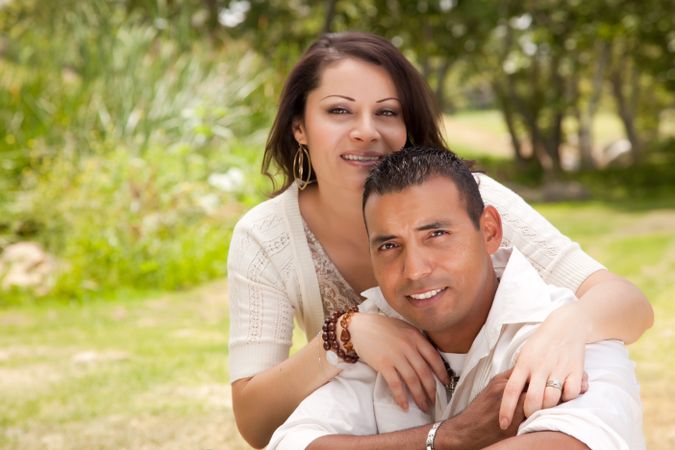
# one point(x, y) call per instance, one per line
point(116, 135)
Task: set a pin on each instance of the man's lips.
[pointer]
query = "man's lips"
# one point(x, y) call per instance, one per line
point(426, 295)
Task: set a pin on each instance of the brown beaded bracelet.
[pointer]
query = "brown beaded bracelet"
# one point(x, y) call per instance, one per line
point(329, 335)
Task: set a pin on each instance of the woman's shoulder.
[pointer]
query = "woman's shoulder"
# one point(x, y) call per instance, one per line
point(486, 183)
point(492, 190)
point(269, 214)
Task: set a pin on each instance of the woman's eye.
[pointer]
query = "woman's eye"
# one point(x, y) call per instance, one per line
point(388, 113)
point(338, 110)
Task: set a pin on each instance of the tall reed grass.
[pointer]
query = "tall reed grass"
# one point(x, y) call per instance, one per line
point(127, 148)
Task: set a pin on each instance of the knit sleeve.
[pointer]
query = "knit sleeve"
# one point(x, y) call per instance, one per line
point(559, 260)
point(259, 280)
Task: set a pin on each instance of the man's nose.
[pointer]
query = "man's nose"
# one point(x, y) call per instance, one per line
point(417, 265)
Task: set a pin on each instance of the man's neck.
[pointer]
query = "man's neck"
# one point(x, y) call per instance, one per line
point(459, 338)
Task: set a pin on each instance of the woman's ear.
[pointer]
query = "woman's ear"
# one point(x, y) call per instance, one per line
point(299, 131)
point(491, 227)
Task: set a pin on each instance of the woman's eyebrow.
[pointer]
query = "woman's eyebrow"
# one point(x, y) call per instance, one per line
point(338, 95)
point(388, 98)
point(352, 99)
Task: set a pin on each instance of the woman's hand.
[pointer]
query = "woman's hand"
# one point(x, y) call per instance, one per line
point(402, 354)
point(555, 351)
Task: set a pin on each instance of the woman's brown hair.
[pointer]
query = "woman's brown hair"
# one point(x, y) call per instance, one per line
point(420, 112)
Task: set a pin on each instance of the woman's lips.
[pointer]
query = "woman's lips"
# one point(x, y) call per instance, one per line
point(361, 159)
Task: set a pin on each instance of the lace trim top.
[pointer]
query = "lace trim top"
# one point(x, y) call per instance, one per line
point(336, 293)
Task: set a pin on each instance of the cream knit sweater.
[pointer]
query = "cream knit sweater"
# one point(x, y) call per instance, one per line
point(271, 276)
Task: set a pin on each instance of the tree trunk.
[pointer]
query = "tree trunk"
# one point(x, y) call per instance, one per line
point(625, 107)
point(532, 115)
point(441, 74)
point(556, 109)
point(330, 16)
point(510, 120)
point(212, 8)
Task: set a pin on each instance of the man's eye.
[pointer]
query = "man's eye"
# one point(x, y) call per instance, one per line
point(388, 246)
point(437, 233)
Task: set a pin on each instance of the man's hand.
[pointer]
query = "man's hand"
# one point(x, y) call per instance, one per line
point(478, 425)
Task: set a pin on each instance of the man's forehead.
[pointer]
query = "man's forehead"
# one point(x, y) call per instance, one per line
point(434, 192)
point(417, 206)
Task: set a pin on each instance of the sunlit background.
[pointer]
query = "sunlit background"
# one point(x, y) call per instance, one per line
point(131, 136)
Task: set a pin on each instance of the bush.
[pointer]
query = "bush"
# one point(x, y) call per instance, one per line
point(126, 152)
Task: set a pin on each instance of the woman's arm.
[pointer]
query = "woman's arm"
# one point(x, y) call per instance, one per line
point(263, 402)
point(400, 352)
point(610, 307)
point(267, 385)
point(615, 308)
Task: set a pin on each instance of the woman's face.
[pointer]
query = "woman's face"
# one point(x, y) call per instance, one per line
point(352, 119)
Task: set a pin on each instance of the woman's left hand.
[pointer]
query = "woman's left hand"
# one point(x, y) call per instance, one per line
point(555, 351)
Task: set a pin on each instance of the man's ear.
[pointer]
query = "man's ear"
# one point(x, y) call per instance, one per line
point(299, 131)
point(491, 227)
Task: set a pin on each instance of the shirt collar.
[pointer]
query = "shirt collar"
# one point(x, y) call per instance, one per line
point(522, 297)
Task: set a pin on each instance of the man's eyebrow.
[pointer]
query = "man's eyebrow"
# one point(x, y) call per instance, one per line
point(433, 225)
point(379, 239)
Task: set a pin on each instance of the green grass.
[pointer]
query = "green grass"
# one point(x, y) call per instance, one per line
point(161, 362)
point(158, 374)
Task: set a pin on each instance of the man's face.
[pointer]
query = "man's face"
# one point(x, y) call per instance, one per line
point(431, 262)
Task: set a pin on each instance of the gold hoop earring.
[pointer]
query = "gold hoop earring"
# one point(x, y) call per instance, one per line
point(299, 167)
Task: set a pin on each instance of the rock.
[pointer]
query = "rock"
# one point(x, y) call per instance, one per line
point(617, 154)
point(27, 265)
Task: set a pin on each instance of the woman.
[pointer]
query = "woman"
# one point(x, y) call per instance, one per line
point(352, 98)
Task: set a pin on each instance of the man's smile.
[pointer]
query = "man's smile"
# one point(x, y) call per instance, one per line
point(425, 296)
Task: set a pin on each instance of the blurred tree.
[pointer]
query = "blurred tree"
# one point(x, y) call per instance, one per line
point(642, 75)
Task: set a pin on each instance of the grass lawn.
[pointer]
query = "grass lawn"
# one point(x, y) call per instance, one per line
point(132, 374)
point(152, 372)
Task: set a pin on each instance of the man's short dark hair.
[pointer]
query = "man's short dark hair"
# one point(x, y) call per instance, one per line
point(416, 165)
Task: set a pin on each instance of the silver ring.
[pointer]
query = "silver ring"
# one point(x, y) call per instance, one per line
point(555, 384)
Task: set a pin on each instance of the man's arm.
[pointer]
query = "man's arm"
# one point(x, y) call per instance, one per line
point(411, 438)
point(551, 440)
point(476, 427)
point(344, 406)
point(609, 414)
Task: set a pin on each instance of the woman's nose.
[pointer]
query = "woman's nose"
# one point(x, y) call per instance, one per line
point(365, 129)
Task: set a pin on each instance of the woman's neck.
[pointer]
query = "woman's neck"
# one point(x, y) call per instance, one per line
point(339, 207)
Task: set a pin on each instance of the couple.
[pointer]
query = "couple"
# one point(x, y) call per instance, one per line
point(437, 257)
point(297, 258)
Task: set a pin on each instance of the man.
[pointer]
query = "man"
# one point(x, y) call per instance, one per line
point(435, 250)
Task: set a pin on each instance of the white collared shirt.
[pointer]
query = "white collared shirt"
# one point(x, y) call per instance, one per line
point(359, 402)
